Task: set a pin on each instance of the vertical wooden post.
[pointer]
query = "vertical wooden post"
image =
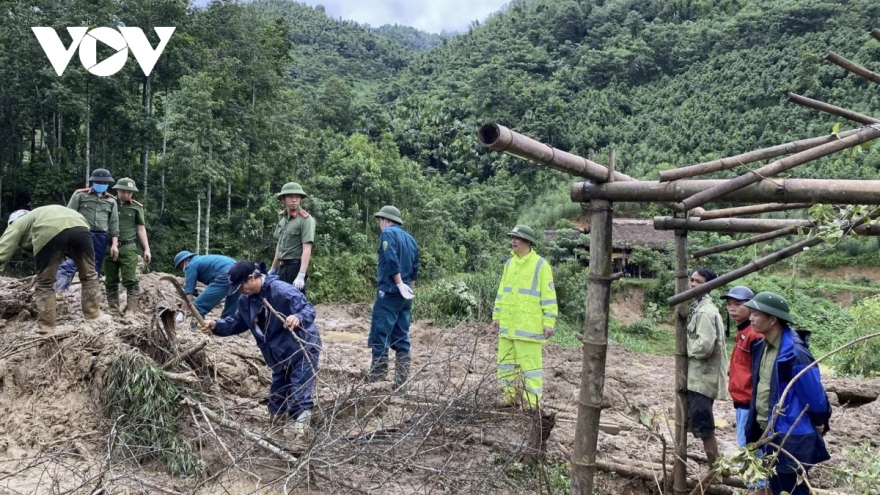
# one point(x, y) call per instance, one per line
point(681, 365)
point(583, 463)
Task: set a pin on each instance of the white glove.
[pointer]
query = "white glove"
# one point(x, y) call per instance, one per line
point(300, 281)
point(272, 271)
point(405, 291)
point(178, 318)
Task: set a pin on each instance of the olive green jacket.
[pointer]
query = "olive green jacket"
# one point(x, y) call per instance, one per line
point(707, 351)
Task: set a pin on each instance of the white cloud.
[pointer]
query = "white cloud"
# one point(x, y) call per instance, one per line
point(432, 16)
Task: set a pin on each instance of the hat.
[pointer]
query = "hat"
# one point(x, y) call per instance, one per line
point(390, 213)
point(15, 215)
point(181, 257)
point(291, 188)
point(740, 293)
point(101, 175)
point(126, 184)
point(772, 304)
point(523, 232)
point(240, 271)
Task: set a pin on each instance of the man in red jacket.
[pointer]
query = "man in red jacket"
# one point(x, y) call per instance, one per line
point(739, 384)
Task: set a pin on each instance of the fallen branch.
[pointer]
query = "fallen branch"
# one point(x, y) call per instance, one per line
point(180, 357)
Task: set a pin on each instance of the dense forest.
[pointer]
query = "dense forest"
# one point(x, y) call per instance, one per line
point(247, 96)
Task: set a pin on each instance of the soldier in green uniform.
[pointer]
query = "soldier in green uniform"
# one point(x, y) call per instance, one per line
point(100, 210)
point(52, 233)
point(132, 228)
point(295, 234)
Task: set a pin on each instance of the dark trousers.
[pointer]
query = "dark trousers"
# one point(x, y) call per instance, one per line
point(99, 245)
point(389, 327)
point(787, 482)
point(288, 270)
point(77, 246)
point(293, 380)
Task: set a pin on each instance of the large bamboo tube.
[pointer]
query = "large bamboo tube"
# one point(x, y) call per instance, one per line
point(745, 242)
point(852, 67)
point(586, 439)
point(742, 211)
point(679, 470)
point(850, 192)
point(876, 34)
point(833, 110)
point(865, 134)
point(751, 156)
point(754, 225)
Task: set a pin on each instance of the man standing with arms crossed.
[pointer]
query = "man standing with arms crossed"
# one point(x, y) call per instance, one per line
point(295, 234)
point(132, 228)
point(707, 364)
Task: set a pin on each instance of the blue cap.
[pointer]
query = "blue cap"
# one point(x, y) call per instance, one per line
point(181, 257)
point(740, 293)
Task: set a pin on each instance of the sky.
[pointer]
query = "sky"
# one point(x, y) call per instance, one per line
point(432, 16)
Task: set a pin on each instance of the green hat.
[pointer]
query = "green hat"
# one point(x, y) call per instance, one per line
point(772, 304)
point(391, 213)
point(292, 188)
point(523, 232)
point(125, 184)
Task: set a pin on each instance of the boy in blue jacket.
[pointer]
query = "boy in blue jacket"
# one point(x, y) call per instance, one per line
point(776, 360)
point(291, 349)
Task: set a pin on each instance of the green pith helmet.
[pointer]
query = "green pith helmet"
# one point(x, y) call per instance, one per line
point(772, 304)
point(523, 232)
point(292, 188)
point(391, 213)
point(125, 184)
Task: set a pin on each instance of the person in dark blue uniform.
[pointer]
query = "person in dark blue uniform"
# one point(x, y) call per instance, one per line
point(211, 270)
point(396, 273)
point(291, 349)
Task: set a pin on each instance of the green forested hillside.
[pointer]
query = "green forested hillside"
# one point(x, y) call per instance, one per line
point(249, 96)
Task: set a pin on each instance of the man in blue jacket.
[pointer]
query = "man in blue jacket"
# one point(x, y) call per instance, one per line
point(291, 349)
point(776, 360)
point(396, 273)
point(211, 270)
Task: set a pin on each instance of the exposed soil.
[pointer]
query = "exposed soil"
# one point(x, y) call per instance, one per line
point(443, 435)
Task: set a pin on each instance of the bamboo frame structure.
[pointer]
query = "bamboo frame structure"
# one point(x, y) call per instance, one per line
point(721, 248)
point(750, 225)
point(742, 211)
point(852, 67)
point(833, 110)
point(679, 469)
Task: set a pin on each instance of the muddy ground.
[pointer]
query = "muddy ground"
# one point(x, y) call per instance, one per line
point(443, 434)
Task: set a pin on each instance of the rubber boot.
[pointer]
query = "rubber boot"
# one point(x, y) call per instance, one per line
point(90, 292)
point(46, 305)
point(277, 423)
point(378, 370)
point(302, 423)
point(401, 369)
point(112, 299)
point(132, 301)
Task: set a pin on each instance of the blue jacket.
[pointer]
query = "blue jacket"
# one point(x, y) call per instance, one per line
point(398, 253)
point(805, 441)
point(205, 269)
point(277, 343)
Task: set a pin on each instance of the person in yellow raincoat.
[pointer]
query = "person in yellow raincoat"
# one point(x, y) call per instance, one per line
point(525, 317)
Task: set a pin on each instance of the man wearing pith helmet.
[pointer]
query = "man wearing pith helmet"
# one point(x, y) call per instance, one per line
point(396, 274)
point(132, 228)
point(802, 420)
point(295, 234)
point(524, 316)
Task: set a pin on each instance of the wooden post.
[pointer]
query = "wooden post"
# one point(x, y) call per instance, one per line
point(852, 67)
point(832, 109)
point(822, 191)
point(745, 242)
point(679, 471)
point(865, 134)
point(746, 158)
point(750, 210)
point(586, 439)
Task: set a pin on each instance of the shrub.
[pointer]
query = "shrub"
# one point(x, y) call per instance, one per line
point(466, 298)
point(861, 470)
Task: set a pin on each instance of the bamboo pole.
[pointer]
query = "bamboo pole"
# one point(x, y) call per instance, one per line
point(833, 110)
point(825, 191)
point(876, 34)
point(499, 138)
point(852, 67)
point(742, 211)
point(742, 272)
point(865, 134)
point(750, 225)
point(595, 339)
point(679, 471)
point(746, 158)
point(745, 242)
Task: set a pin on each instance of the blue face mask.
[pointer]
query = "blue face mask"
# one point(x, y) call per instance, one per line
point(99, 188)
